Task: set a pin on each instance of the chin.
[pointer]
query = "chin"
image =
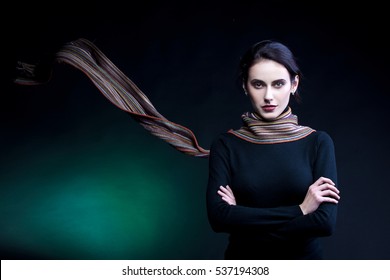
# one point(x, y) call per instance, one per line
point(269, 115)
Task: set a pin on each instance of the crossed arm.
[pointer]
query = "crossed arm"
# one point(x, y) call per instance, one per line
point(322, 190)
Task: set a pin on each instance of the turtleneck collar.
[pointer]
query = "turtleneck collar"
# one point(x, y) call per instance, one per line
point(282, 129)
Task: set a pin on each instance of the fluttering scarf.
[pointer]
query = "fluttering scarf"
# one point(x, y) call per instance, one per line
point(120, 90)
point(123, 93)
point(283, 129)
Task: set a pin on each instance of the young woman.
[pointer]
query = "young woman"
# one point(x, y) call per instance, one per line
point(272, 183)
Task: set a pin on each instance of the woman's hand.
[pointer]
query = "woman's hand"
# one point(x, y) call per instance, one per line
point(227, 195)
point(322, 190)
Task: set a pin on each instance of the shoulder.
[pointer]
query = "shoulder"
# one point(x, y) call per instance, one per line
point(223, 142)
point(322, 137)
point(222, 138)
point(323, 141)
point(226, 138)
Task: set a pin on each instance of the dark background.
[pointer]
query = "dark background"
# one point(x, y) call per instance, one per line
point(80, 179)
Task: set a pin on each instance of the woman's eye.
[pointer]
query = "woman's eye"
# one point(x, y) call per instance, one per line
point(257, 85)
point(279, 84)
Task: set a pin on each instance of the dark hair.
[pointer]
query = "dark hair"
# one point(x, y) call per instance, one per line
point(272, 50)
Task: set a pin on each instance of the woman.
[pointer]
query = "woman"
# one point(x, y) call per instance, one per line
point(272, 183)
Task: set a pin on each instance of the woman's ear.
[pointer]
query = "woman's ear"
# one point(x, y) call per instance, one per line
point(294, 84)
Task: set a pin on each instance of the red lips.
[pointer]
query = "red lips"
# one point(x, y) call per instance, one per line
point(269, 108)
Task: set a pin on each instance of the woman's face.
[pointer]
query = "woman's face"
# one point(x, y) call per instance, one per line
point(269, 87)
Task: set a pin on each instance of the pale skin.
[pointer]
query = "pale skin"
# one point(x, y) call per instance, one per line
point(269, 88)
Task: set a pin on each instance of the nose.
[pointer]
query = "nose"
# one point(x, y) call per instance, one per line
point(268, 96)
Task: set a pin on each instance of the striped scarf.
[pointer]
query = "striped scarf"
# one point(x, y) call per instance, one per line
point(120, 90)
point(283, 129)
point(123, 93)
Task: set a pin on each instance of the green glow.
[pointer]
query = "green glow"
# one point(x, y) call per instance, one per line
point(79, 201)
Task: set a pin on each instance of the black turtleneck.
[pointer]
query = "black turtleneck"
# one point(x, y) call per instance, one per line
point(269, 182)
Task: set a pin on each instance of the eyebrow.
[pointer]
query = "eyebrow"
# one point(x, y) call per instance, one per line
point(275, 81)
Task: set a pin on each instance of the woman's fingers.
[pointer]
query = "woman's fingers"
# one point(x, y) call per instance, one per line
point(327, 187)
point(330, 193)
point(325, 190)
point(330, 196)
point(227, 195)
point(323, 180)
point(322, 190)
point(227, 190)
point(229, 200)
point(325, 184)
